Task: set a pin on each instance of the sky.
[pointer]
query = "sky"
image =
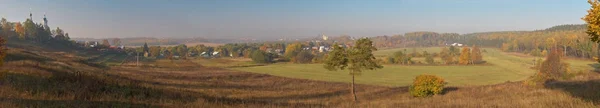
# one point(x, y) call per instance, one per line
point(275, 19)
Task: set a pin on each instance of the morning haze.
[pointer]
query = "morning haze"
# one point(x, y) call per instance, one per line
point(267, 19)
point(300, 53)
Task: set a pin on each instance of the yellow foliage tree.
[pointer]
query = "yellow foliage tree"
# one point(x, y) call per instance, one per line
point(593, 24)
point(20, 30)
point(465, 56)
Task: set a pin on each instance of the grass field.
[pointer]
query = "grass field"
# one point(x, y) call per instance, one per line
point(503, 67)
point(57, 79)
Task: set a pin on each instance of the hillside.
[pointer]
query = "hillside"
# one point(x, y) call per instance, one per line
point(47, 78)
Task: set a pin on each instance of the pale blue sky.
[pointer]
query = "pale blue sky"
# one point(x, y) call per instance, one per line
point(292, 18)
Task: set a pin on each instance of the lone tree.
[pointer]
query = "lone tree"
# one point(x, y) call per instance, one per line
point(593, 24)
point(553, 67)
point(355, 59)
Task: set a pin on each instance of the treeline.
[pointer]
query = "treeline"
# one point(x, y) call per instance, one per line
point(34, 32)
point(448, 56)
point(571, 38)
point(258, 52)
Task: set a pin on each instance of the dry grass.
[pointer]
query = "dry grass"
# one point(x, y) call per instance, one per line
point(48, 79)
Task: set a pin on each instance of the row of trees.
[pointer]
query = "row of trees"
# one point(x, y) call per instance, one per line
point(450, 55)
point(29, 30)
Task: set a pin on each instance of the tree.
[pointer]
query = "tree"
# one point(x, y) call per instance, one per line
point(154, 51)
point(116, 42)
point(59, 34)
point(428, 58)
point(145, 47)
point(593, 24)
point(303, 57)
point(20, 31)
point(292, 50)
point(105, 43)
point(476, 56)
point(260, 56)
point(6, 28)
point(553, 67)
point(2, 50)
point(30, 29)
point(465, 56)
point(182, 50)
point(358, 58)
point(447, 56)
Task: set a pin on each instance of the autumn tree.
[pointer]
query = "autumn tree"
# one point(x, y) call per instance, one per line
point(105, 43)
point(465, 56)
point(356, 59)
point(292, 50)
point(476, 56)
point(553, 67)
point(154, 51)
point(20, 31)
point(593, 24)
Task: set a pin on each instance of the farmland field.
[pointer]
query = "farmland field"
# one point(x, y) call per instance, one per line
point(503, 67)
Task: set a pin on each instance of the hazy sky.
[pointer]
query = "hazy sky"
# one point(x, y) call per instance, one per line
point(291, 18)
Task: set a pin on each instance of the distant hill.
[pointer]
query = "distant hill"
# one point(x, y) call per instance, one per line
point(139, 41)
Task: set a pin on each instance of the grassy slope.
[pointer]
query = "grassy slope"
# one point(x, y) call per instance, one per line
point(504, 68)
point(181, 83)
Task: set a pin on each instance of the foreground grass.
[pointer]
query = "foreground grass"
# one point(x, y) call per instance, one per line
point(503, 68)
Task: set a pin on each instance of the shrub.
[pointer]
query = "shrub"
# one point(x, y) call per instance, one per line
point(427, 85)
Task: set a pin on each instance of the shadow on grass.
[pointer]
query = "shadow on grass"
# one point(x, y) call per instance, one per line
point(586, 90)
point(596, 67)
point(30, 103)
point(449, 89)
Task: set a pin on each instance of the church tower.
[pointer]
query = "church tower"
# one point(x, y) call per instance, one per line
point(45, 20)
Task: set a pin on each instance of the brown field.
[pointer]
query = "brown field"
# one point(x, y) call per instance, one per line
point(54, 79)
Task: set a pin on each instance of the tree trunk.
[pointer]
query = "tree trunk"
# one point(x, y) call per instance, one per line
point(565, 50)
point(353, 89)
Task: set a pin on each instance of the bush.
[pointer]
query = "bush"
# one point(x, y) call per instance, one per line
point(427, 85)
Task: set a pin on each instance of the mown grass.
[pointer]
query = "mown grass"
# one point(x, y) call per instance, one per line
point(503, 68)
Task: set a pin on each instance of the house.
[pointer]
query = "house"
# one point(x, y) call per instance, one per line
point(323, 49)
point(457, 44)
